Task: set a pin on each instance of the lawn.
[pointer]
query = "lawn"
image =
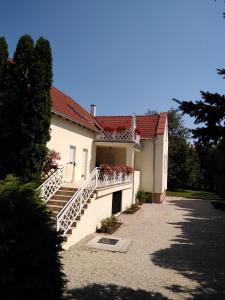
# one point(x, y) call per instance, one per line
point(194, 194)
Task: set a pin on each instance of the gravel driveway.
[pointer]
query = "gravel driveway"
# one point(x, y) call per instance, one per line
point(178, 253)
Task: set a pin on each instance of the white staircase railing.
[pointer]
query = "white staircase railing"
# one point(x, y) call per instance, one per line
point(74, 206)
point(50, 186)
point(72, 209)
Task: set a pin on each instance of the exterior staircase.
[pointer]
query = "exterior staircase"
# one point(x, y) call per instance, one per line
point(57, 202)
point(68, 204)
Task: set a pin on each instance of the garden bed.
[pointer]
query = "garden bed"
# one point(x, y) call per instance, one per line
point(133, 209)
point(109, 225)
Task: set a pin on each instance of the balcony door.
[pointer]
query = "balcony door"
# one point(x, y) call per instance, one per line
point(84, 164)
point(70, 166)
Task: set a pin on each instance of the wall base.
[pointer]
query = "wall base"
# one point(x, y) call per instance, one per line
point(159, 197)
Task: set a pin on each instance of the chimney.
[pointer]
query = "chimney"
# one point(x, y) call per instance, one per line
point(93, 110)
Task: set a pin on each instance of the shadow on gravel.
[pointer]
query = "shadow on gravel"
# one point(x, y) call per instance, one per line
point(198, 253)
point(111, 292)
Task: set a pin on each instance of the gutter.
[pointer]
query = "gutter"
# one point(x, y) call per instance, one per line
point(76, 122)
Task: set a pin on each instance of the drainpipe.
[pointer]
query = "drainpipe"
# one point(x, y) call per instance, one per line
point(133, 200)
point(153, 171)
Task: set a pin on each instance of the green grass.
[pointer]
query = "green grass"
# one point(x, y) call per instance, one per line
point(194, 194)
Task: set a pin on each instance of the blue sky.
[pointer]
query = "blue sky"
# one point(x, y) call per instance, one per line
point(126, 55)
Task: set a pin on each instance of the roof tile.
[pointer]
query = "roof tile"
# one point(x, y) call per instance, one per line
point(67, 107)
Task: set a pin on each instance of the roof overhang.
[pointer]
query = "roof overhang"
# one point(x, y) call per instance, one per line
point(72, 120)
point(117, 144)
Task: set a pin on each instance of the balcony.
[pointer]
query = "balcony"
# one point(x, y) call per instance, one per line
point(125, 136)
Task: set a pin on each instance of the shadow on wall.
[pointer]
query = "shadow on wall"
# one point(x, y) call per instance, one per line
point(111, 292)
point(198, 253)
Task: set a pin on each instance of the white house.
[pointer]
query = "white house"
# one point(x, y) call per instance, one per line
point(78, 193)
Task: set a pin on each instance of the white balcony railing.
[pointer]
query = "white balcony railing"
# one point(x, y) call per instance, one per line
point(127, 135)
point(105, 180)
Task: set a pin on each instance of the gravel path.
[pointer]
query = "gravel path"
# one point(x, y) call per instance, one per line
point(178, 253)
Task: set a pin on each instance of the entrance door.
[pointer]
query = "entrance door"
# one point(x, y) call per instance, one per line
point(84, 164)
point(116, 202)
point(70, 167)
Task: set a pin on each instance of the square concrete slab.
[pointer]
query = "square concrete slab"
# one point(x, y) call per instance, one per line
point(112, 243)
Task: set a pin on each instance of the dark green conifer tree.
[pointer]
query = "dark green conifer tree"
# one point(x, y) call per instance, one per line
point(28, 110)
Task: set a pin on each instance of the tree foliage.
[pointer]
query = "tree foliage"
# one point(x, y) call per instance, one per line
point(176, 127)
point(30, 245)
point(25, 110)
point(209, 115)
point(3, 55)
point(183, 162)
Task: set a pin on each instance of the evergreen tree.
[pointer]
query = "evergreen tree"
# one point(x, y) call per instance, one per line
point(3, 56)
point(28, 110)
point(183, 163)
point(30, 245)
point(209, 114)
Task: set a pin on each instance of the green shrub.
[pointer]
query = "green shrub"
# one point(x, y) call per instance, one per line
point(30, 247)
point(132, 209)
point(109, 225)
point(143, 197)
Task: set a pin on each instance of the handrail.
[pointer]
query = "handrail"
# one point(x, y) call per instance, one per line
point(105, 180)
point(72, 209)
point(50, 186)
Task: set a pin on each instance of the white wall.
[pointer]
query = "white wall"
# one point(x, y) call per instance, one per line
point(161, 162)
point(99, 209)
point(65, 133)
point(143, 162)
point(136, 182)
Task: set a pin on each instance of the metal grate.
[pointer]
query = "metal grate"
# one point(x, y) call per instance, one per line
point(108, 241)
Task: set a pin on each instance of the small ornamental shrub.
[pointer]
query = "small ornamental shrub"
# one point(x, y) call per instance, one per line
point(30, 246)
point(51, 164)
point(143, 197)
point(133, 209)
point(129, 170)
point(109, 225)
point(107, 169)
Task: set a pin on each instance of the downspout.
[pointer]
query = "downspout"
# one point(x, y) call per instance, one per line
point(133, 127)
point(133, 200)
point(153, 171)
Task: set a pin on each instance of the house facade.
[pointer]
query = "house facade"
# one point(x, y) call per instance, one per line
point(79, 191)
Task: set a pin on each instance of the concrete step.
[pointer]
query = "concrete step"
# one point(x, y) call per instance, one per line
point(54, 208)
point(53, 201)
point(64, 188)
point(65, 193)
point(61, 197)
point(59, 200)
point(74, 224)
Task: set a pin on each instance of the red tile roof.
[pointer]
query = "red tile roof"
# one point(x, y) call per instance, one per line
point(66, 107)
point(161, 123)
point(150, 125)
point(114, 121)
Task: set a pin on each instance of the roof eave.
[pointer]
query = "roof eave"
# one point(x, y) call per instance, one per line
point(74, 121)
